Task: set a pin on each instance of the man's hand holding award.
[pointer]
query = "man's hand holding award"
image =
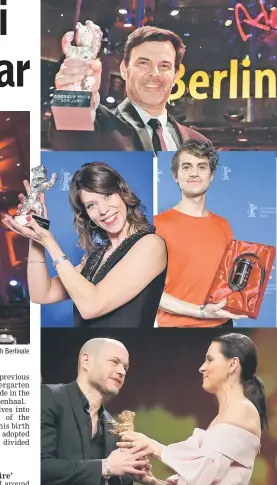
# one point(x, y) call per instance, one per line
point(79, 79)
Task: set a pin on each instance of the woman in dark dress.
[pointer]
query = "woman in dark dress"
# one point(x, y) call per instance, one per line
point(121, 277)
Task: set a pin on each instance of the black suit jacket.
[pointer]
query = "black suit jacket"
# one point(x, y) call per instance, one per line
point(65, 442)
point(120, 130)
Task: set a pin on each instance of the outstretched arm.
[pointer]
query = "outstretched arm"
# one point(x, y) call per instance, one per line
point(41, 285)
point(133, 441)
point(43, 288)
point(144, 262)
point(212, 310)
point(171, 304)
point(196, 460)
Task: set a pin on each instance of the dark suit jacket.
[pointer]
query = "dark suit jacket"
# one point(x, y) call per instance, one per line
point(120, 130)
point(65, 442)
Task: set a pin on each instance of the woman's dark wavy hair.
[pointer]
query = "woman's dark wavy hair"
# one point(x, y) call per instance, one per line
point(242, 347)
point(102, 179)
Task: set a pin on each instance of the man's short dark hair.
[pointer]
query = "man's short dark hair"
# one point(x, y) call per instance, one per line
point(154, 34)
point(198, 148)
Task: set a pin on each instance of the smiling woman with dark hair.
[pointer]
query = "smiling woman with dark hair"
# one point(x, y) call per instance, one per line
point(121, 277)
point(225, 452)
point(103, 180)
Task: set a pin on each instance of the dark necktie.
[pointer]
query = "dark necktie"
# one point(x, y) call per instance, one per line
point(157, 137)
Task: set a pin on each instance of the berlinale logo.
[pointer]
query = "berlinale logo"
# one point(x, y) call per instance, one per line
point(225, 171)
point(252, 210)
point(65, 181)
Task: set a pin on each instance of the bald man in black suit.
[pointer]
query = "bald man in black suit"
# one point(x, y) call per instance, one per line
point(77, 447)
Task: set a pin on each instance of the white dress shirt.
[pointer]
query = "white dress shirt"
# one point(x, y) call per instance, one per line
point(170, 143)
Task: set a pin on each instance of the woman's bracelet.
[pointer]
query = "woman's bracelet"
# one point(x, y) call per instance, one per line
point(36, 262)
point(59, 260)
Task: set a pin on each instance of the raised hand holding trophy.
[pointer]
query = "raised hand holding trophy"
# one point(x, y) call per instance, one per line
point(71, 108)
point(31, 203)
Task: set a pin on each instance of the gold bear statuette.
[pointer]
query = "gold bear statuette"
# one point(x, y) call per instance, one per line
point(126, 422)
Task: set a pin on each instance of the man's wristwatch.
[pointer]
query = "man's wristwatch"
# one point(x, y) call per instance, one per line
point(202, 312)
point(108, 470)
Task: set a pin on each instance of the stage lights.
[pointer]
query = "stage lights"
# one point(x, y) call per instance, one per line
point(128, 20)
point(16, 292)
point(110, 99)
point(110, 102)
point(234, 116)
point(13, 283)
point(174, 12)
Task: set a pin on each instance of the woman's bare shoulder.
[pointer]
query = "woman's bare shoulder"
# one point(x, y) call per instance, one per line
point(244, 414)
point(151, 242)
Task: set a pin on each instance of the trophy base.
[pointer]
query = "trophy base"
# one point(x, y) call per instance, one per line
point(72, 110)
point(45, 223)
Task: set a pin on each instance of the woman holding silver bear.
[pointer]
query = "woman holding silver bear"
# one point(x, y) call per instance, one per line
point(117, 240)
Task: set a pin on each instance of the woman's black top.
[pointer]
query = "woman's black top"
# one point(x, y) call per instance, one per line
point(138, 312)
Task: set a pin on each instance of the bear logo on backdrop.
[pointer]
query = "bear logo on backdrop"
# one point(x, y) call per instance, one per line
point(225, 172)
point(159, 172)
point(252, 210)
point(262, 211)
point(65, 180)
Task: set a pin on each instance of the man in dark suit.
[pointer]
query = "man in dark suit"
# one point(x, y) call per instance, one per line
point(77, 447)
point(150, 66)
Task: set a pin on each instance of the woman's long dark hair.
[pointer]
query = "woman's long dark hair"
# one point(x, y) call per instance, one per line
point(102, 179)
point(242, 347)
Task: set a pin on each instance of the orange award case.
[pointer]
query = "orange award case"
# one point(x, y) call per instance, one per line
point(242, 277)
